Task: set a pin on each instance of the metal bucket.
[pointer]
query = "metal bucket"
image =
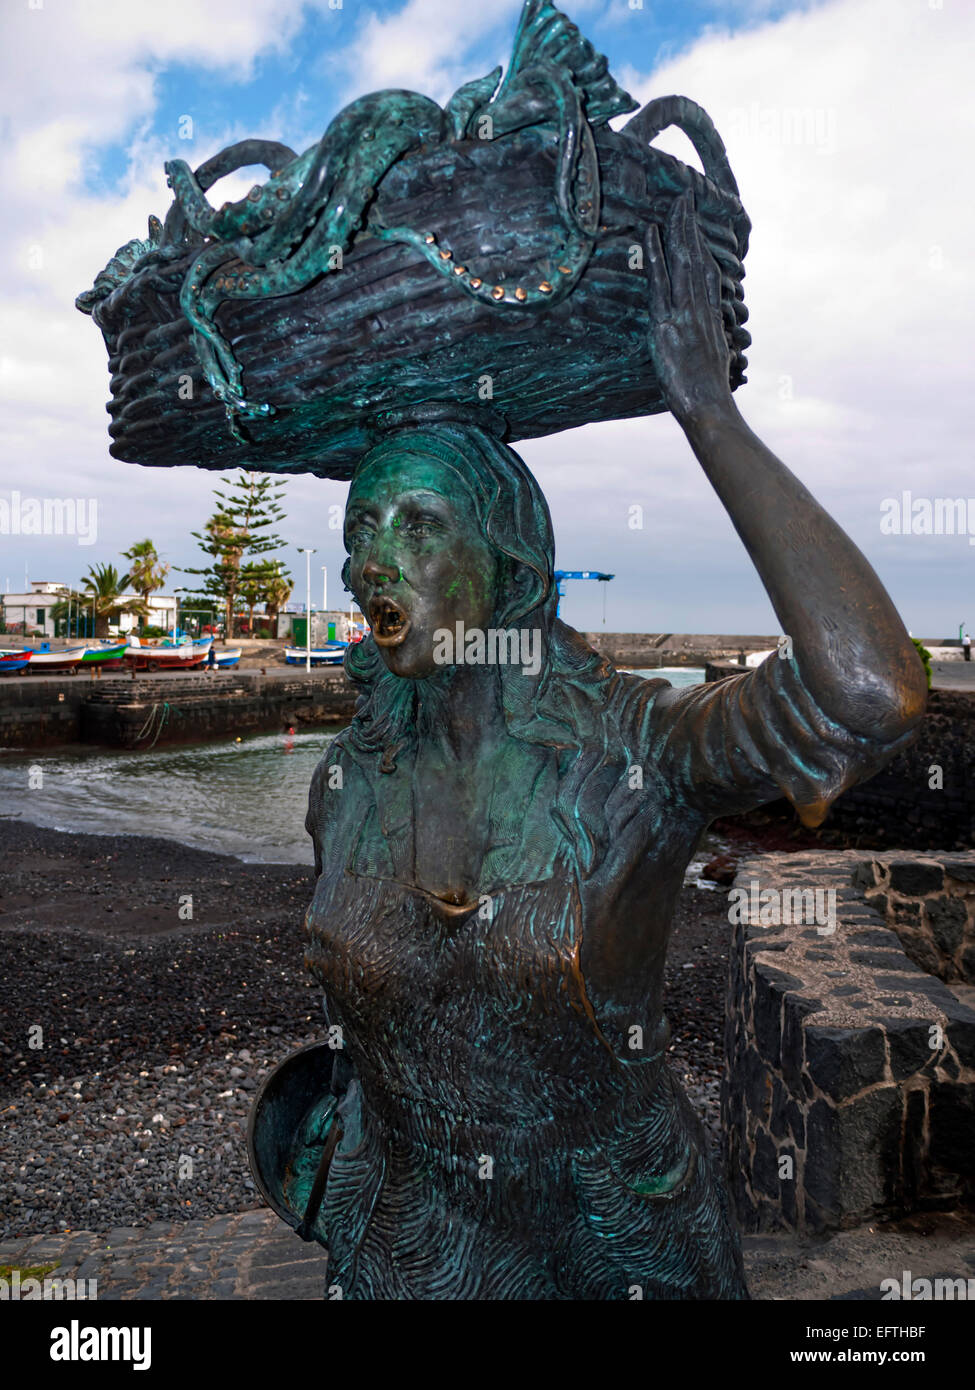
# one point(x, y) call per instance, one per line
point(278, 1120)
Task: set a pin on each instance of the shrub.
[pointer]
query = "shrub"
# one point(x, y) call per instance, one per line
point(925, 656)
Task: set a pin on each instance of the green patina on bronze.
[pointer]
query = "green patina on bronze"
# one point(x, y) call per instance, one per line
point(483, 256)
point(491, 1113)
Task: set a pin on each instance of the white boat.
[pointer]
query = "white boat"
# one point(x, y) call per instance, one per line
point(332, 654)
point(43, 659)
point(184, 657)
point(225, 657)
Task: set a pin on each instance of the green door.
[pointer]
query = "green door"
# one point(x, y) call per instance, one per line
point(299, 631)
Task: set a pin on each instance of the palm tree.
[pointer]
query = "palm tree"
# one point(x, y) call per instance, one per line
point(67, 609)
point(148, 571)
point(264, 582)
point(277, 591)
point(103, 588)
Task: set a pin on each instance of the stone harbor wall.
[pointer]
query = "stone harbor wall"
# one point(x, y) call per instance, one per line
point(190, 708)
point(925, 797)
point(849, 1086)
point(652, 649)
point(35, 714)
point(172, 707)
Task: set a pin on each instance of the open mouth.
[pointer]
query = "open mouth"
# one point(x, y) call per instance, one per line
point(388, 622)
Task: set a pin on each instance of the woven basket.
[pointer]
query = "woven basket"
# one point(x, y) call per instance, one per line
point(387, 333)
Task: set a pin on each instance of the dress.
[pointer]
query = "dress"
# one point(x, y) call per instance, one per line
point(510, 1131)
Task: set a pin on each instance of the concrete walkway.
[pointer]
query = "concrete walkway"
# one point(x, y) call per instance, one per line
point(953, 675)
point(253, 1255)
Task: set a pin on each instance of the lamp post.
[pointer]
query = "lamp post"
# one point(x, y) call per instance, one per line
point(324, 588)
point(308, 551)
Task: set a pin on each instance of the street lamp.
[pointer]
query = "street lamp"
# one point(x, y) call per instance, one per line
point(308, 551)
point(324, 588)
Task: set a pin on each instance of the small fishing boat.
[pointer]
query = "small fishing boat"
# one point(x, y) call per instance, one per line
point(332, 654)
point(108, 655)
point(226, 657)
point(166, 658)
point(203, 643)
point(43, 659)
point(184, 656)
point(11, 660)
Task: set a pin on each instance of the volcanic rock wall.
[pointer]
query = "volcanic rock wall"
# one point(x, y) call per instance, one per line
point(849, 1088)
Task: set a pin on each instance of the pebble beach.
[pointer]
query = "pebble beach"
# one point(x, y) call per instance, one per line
point(135, 1035)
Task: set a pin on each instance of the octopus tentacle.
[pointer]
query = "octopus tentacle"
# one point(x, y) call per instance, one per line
point(577, 154)
point(316, 202)
point(284, 233)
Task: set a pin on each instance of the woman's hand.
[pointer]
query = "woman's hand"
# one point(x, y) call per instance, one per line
point(687, 339)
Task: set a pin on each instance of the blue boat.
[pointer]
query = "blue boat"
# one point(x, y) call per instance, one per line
point(225, 657)
point(332, 654)
point(13, 660)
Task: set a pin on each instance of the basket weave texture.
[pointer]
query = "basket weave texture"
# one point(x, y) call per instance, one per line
point(388, 328)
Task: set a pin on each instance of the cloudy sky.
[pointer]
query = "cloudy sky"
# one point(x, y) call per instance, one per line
point(849, 125)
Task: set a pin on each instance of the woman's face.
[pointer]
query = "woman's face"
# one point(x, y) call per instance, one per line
point(418, 559)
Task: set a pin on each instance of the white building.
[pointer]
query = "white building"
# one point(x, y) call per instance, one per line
point(162, 613)
point(30, 612)
point(327, 625)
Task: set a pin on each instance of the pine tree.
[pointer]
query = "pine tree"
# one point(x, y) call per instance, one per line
point(241, 527)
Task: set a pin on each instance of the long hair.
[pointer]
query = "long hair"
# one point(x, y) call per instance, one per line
point(564, 705)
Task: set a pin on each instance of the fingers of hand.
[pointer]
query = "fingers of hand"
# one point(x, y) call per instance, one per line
point(700, 277)
point(679, 249)
point(661, 301)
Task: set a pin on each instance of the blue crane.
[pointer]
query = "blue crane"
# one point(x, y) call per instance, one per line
point(562, 575)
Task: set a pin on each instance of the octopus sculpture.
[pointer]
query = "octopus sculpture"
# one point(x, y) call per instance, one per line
point(300, 225)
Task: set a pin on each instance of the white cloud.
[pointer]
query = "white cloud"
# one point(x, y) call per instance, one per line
point(846, 128)
point(422, 47)
point(849, 129)
point(859, 276)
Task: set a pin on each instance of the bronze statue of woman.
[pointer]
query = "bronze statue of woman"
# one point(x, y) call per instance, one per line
point(500, 847)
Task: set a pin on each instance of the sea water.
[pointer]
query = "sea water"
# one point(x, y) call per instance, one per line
point(245, 797)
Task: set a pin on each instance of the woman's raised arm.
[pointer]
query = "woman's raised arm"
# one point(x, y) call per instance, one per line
point(849, 644)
